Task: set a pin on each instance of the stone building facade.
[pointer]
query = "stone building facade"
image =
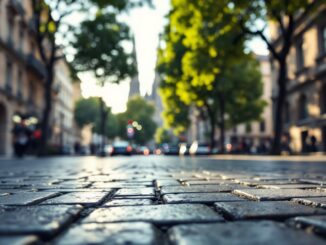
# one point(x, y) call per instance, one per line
point(21, 72)
point(22, 76)
point(63, 135)
point(305, 107)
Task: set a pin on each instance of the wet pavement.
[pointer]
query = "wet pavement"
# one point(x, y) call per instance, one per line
point(162, 200)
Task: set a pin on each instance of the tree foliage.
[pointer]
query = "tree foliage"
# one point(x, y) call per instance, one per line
point(99, 45)
point(87, 112)
point(203, 59)
point(162, 135)
point(52, 30)
point(142, 112)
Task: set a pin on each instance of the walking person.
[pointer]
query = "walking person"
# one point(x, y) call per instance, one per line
point(21, 136)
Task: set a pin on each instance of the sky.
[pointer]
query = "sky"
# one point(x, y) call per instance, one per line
point(146, 24)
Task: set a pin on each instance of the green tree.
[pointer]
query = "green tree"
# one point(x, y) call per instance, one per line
point(140, 112)
point(169, 66)
point(99, 45)
point(162, 136)
point(212, 53)
point(86, 112)
point(50, 25)
point(286, 16)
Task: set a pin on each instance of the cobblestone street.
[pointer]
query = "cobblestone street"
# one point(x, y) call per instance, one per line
point(162, 200)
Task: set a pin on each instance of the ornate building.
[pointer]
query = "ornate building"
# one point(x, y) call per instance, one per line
point(156, 100)
point(134, 83)
point(305, 107)
point(21, 72)
point(22, 76)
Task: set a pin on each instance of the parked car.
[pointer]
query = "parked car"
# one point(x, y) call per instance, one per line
point(121, 148)
point(200, 149)
point(171, 149)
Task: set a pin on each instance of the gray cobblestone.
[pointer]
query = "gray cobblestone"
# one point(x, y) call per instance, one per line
point(277, 194)
point(135, 192)
point(83, 198)
point(43, 220)
point(317, 223)
point(265, 210)
point(158, 214)
point(313, 201)
point(201, 198)
point(199, 189)
point(25, 198)
point(240, 233)
point(118, 193)
point(18, 240)
point(128, 202)
point(118, 233)
point(289, 186)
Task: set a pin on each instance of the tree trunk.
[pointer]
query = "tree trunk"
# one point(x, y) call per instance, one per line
point(222, 124)
point(278, 122)
point(102, 127)
point(45, 124)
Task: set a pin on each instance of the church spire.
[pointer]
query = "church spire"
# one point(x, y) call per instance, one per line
point(134, 83)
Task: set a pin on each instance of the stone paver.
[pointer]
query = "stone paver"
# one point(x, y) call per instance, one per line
point(239, 233)
point(277, 194)
point(165, 182)
point(201, 198)
point(161, 200)
point(289, 186)
point(135, 192)
point(83, 198)
point(40, 220)
point(264, 210)
point(117, 233)
point(199, 189)
point(206, 182)
point(313, 201)
point(157, 214)
point(128, 202)
point(26, 198)
point(19, 240)
point(318, 223)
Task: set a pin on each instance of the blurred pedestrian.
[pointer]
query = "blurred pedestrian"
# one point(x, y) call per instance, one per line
point(21, 137)
point(313, 143)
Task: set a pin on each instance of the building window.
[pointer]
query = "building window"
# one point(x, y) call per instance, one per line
point(262, 126)
point(9, 70)
point(303, 107)
point(300, 55)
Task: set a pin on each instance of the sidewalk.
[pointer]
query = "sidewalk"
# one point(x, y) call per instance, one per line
point(295, 158)
point(161, 200)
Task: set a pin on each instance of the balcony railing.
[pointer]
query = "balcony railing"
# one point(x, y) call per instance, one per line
point(16, 7)
point(36, 66)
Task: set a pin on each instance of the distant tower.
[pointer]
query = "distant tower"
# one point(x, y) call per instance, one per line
point(134, 83)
